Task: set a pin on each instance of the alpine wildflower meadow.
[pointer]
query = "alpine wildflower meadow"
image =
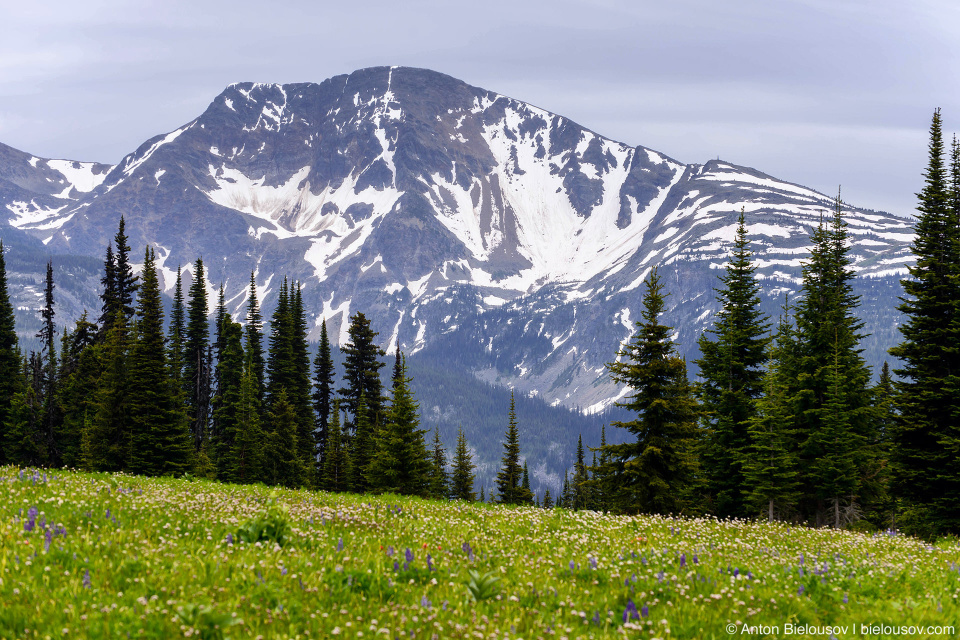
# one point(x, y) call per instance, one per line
point(109, 556)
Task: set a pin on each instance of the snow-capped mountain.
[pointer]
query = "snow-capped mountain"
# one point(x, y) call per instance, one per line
point(473, 228)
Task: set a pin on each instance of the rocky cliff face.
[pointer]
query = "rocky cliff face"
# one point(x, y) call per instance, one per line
point(475, 229)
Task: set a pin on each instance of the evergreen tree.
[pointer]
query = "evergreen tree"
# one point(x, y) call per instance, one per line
point(401, 464)
point(771, 464)
point(509, 478)
point(926, 436)
point(158, 442)
point(245, 462)
point(283, 461)
point(362, 447)
point(438, 481)
point(566, 495)
point(196, 366)
point(653, 472)
point(10, 371)
point(336, 464)
point(228, 411)
point(601, 482)
point(254, 338)
point(580, 487)
point(525, 485)
point(23, 443)
point(547, 500)
point(830, 369)
point(50, 413)
point(299, 392)
point(106, 438)
point(462, 478)
point(323, 383)
point(178, 333)
point(482, 497)
point(109, 296)
point(731, 368)
point(362, 368)
point(126, 282)
point(80, 370)
point(280, 353)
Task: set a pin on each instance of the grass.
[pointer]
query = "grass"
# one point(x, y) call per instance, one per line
point(105, 556)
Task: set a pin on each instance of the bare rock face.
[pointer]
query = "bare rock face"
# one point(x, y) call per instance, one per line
point(475, 229)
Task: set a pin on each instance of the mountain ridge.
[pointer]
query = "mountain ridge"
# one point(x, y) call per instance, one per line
point(451, 214)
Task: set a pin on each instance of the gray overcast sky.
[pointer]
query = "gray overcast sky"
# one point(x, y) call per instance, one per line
point(822, 93)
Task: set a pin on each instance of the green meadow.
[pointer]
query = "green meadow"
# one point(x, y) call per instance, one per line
point(115, 556)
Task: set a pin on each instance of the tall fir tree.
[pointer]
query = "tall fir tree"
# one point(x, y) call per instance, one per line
point(80, 369)
point(300, 383)
point(462, 479)
point(196, 366)
point(245, 462)
point(159, 444)
point(227, 411)
point(106, 437)
point(108, 295)
point(362, 366)
point(401, 464)
point(654, 472)
point(926, 436)
point(830, 369)
point(581, 488)
point(323, 389)
point(337, 469)
point(254, 338)
point(771, 466)
point(510, 476)
point(280, 353)
point(283, 463)
point(363, 448)
point(438, 481)
point(177, 333)
point(50, 411)
point(10, 369)
point(731, 368)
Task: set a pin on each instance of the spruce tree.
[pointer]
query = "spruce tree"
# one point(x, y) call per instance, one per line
point(300, 396)
point(245, 462)
point(510, 476)
point(280, 353)
point(283, 463)
point(336, 464)
point(323, 385)
point(731, 369)
point(653, 473)
point(580, 479)
point(547, 500)
point(50, 413)
point(525, 485)
point(254, 338)
point(125, 281)
point(106, 438)
point(771, 465)
point(109, 296)
point(462, 479)
point(178, 333)
point(196, 368)
point(362, 447)
point(228, 407)
point(10, 370)
point(926, 436)
point(401, 464)
point(831, 370)
point(362, 366)
point(22, 442)
point(158, 443)
point(438, 481)
point(80, 370)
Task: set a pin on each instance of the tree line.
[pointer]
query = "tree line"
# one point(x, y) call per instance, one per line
point(782, 423)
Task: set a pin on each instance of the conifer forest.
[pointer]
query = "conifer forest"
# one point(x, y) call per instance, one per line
point(785, 422)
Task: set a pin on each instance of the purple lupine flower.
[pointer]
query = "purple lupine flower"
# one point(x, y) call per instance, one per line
point(396, 566)
point(339, 545)
point(644, 611)
point(408, 555)
point(86, 579)
point(430, 563)
point(283, 571)
point(630, 612)
point(593, 562)
point(660, 576)
point(696, 560)
point(229, 538)
point(800, 590)
point(425, 603)
point(801, 572)
point(390, 551)
point(845, 599)
point(683, 560)
point(572, 565)
point(43, 522)
point(47, 539)
point(736, 572)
